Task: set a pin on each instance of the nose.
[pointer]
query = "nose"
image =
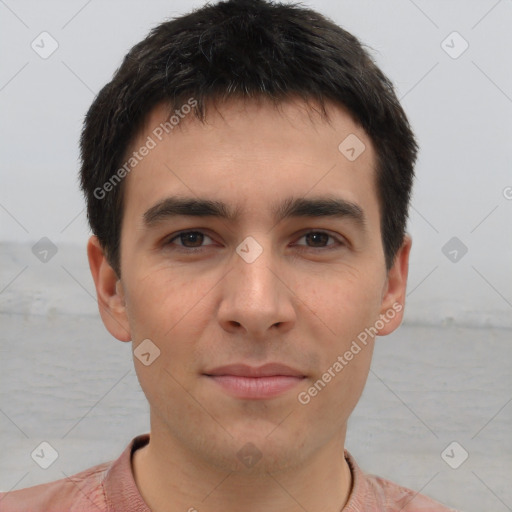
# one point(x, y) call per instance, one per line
point(256, 297)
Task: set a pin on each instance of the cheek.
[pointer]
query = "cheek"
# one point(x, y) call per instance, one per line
point(171, 312)
point(347, 305)
point(347, 311)
point(335, 390)
point(333, 394)
point(159, 302)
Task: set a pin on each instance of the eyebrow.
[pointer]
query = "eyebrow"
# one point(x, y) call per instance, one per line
point(292, 207)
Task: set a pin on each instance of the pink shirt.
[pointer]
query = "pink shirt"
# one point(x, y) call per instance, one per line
point(111, 487)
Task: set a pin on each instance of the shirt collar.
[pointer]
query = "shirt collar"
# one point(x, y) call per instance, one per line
point(121, 492)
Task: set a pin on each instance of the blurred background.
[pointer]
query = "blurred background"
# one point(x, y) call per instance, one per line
point(436, 413)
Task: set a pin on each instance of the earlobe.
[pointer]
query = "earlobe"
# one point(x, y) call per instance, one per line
point(393, 297)
point(109, 292)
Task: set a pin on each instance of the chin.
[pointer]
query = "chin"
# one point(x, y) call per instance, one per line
point(252, 449)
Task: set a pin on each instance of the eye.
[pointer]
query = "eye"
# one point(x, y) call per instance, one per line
point(194, 238)
point(319, 238)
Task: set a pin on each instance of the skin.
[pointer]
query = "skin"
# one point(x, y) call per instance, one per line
point(298, 303)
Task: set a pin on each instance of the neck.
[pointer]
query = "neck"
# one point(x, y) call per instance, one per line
point(170, 479)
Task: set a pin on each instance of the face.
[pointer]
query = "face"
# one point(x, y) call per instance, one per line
point(261, 322)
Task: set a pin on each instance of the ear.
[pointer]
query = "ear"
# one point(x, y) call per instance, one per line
point(109, 292)
point(393, 293)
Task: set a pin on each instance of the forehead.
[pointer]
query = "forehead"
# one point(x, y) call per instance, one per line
point(249, 154)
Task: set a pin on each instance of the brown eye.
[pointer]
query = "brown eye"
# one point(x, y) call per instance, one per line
point(319, 240)
point(193, 237)
point(188, 240)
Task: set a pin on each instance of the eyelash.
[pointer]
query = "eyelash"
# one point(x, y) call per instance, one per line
point(200, 249)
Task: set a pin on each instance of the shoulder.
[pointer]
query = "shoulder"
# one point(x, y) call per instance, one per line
point(398, 498)
point(373, 493)
point(80, 492)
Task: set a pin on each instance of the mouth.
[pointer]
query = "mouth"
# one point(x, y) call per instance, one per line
point(255, 383)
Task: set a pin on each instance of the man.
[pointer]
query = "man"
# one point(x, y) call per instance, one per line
point(247, 174)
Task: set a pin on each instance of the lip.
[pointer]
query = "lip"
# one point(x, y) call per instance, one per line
point(244, 370)
point(256, 383)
